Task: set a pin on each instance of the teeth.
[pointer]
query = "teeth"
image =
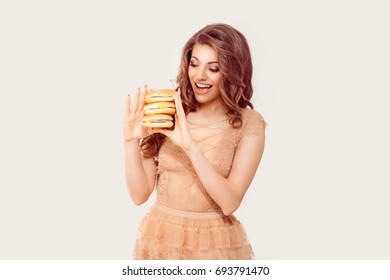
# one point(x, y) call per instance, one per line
point(203, 86)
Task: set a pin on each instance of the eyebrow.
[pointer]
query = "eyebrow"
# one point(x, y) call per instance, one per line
point(211, 62)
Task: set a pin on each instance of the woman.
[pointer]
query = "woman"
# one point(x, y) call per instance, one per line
point(204, 166)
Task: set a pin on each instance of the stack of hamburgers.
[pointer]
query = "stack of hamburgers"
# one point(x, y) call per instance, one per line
point(159, 108)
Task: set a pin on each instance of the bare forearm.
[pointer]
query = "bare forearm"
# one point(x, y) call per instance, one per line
point(136, 177)
point(221, 190)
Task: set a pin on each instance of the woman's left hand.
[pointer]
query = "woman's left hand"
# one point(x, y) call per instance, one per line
point(180, 135)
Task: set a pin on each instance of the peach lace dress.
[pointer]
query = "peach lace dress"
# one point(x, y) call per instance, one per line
point(185, 223)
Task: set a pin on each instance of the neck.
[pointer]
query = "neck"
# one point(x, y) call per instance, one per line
point(212, 109)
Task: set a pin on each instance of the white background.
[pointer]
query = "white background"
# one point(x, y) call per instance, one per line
point(321, 81)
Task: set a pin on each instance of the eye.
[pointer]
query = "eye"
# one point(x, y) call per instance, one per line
point(192, 64)
point(215, 70)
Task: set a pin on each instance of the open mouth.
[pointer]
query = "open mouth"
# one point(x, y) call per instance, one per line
point(203, 86)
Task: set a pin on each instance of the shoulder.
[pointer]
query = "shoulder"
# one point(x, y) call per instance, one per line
point(249, 115)
point(252, 122)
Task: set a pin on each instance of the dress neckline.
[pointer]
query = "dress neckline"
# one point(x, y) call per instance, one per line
point(207, 124)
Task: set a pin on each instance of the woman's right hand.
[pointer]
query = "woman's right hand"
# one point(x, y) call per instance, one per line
point(133, 128)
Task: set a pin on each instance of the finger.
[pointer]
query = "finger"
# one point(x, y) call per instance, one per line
point(128, 103)
point(178, 103)
point(142, 97)
point(178, 115)
point(181, 114)
point(135, 100)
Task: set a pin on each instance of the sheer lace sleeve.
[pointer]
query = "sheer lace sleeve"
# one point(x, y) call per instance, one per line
point(254, 123)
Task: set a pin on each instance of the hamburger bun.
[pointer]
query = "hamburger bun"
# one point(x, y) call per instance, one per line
point(158, 121)
point(163, 107)
point(159, 95)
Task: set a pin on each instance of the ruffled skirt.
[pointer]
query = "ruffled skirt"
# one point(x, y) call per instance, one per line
point(169, 234)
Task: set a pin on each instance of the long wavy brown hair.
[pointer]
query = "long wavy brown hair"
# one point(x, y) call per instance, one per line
point(235, 64)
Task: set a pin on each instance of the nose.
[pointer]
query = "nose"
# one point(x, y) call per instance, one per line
point(201, 74)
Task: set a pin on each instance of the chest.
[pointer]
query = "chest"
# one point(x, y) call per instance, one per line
point(209, 139)
point(218, 146)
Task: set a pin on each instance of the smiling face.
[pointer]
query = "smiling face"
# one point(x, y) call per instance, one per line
point(204, 74)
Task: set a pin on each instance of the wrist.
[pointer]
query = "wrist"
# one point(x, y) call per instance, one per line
point(192, 149)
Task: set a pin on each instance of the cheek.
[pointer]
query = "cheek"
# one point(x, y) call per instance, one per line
point(191, 72)
point(217, 79)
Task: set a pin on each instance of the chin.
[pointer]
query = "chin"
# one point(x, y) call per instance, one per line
point(205, 98)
